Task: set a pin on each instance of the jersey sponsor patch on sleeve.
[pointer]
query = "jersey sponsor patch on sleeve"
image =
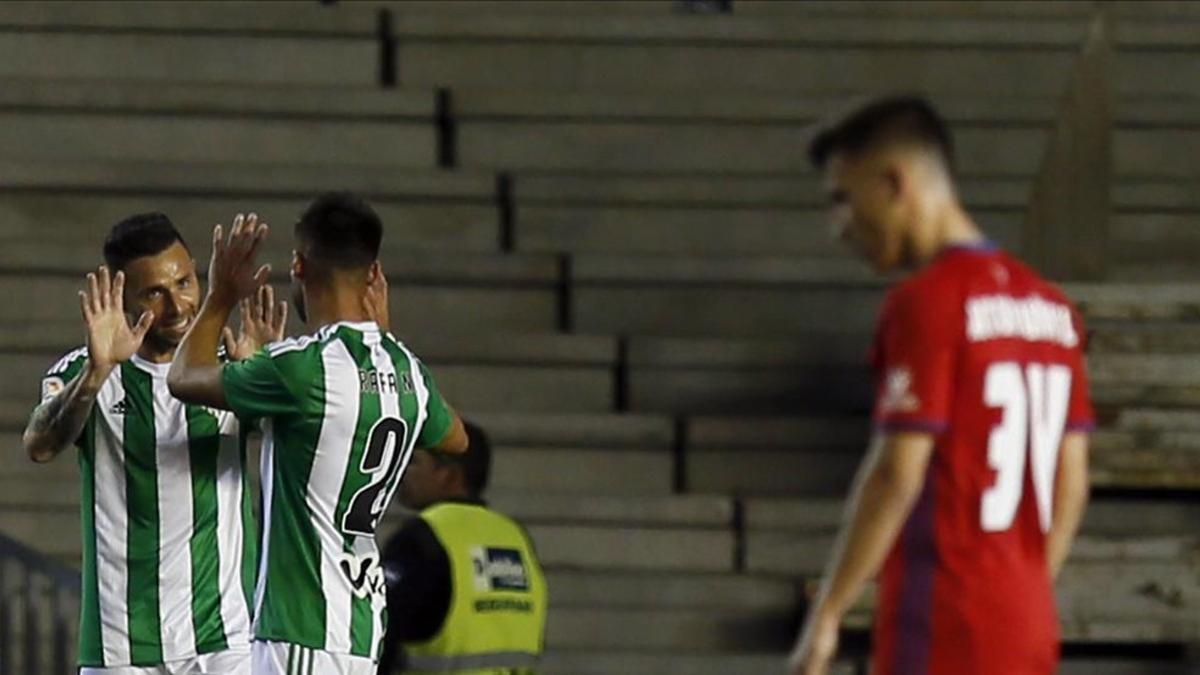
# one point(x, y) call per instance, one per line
point(898, 396)
point(51, 386)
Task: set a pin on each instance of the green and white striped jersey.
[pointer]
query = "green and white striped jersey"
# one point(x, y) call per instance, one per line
point(168, 534)
point(343, 410)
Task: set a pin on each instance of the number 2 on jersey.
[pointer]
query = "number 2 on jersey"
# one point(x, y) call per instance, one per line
point(1034, 404)
point(386, 455)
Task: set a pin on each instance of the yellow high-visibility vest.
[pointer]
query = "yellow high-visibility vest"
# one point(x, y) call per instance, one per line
point(497, 617)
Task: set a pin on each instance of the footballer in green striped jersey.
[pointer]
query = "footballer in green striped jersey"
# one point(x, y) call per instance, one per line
point(168, 534)
point(342, 411)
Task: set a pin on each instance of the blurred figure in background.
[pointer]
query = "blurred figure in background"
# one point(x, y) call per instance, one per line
point(466, 592)
point(976, 480)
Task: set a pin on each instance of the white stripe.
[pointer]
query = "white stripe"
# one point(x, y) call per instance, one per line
point(66, 360)
point(325, 486)
point(235, 615)
point(174, 479)
point(290, 345)
point(111, 519)
point(267, 469)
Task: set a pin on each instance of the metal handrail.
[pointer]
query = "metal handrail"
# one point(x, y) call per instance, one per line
point(62, 576)
point(38, 576)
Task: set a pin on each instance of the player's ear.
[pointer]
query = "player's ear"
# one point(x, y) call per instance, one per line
point(297, 269)
point(896, 181)
point(373, 272)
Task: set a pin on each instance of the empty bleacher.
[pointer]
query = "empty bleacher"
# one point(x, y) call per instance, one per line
point(604, 237)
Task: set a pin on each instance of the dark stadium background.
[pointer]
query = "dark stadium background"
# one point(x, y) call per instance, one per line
point(604, 236)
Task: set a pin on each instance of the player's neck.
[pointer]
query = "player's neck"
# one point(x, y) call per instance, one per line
point(950, 227)
point(335, 304)
point(155, 354)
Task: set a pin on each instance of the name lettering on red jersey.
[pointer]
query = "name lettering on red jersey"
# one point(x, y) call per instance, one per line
point(994, 317)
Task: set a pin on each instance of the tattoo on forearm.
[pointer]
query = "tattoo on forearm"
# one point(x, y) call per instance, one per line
point(61, 419)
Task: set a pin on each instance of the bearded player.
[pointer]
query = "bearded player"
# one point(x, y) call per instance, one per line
point(168, 535)
point(976, 480)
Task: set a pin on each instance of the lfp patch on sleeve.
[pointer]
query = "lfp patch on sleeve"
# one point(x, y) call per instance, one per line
point(51, 386)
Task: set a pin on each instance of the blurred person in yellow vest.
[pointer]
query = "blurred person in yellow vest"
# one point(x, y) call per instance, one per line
point(466, 593)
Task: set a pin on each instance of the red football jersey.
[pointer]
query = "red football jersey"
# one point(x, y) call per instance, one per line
point(979, 350)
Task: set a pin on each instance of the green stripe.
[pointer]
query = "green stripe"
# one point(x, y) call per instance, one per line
point(204, 445)
point(294, 603)
point(141, 499)
point(91, 650)
point(250, 532)
point(369, 411)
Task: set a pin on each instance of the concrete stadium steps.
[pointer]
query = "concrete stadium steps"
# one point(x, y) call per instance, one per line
point(718, 297)
point(454, 293)
point(578, 547)
point(581, 662)
point(1136, 301)
point(585, 470)
point(704, 216)
point(608, 661)
point(662, 630)
point(254, 124)
point(711, 377)
point(54, 203)
point(670, 591)
point(298, 43)
point(665, 53)
point(554, 132)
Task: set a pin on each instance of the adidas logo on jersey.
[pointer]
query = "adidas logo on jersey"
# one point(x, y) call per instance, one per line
point(119, 408)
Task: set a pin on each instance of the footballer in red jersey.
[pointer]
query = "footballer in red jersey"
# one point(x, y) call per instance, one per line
point(976, 481)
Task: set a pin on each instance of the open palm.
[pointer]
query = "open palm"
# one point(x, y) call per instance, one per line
point(110, 338)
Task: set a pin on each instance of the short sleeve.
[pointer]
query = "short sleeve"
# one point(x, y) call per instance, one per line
point(61, 373)
point(1081, 416)
point(438, 416)
point(916, 351)
point(256, 388)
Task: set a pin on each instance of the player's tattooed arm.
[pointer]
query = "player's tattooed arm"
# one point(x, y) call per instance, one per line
point(195, 375)
point(885, 491)
point(56, 424)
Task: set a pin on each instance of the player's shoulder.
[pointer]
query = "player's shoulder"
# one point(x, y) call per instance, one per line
point(934, 288)
point(300, 346)
point(69, 361)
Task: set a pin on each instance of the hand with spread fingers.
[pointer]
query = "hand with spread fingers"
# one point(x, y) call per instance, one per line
point(262, 322)
point(232, 272)
point(110, 338)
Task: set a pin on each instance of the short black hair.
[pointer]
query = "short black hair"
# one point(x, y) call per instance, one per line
point(476, 462)
point(894, 118)
point(339, 230)
point(139, 235)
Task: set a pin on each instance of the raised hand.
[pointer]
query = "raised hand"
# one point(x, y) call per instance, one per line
point(232, 275)
point(375, 301)
point(110, 338)
point(262, 320)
